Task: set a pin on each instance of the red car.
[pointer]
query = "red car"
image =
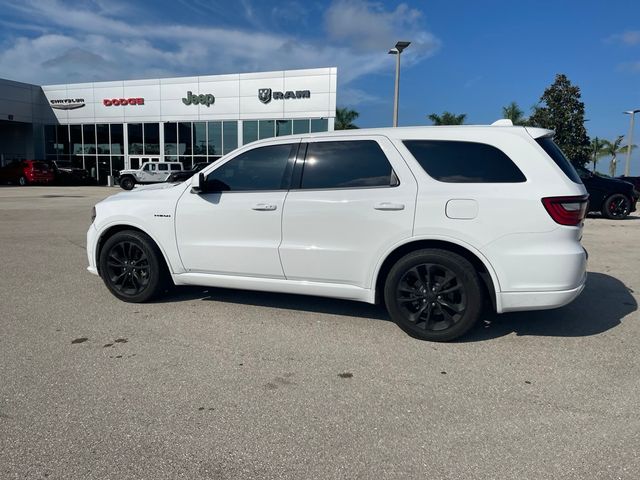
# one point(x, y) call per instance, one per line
point(25, 172)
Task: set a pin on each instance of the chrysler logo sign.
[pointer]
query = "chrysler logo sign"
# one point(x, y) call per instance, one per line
point(67, 103)
point(265, 95)
point(202, 99)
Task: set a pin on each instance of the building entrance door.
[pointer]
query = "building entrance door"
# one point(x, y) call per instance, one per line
point(135, 162)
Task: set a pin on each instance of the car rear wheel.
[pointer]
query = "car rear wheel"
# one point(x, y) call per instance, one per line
point(617, 206)
point(127, 183)
point(22, 181)
point(433, 294)
point(132, 267)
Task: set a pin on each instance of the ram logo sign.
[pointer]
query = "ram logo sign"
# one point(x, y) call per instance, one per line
point(265, 95)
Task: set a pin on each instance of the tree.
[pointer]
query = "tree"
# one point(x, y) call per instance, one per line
point(345, 118)
point(612, 149)
point(514, 113)
point(447, 118)
point(560, 109)
point(597, 151)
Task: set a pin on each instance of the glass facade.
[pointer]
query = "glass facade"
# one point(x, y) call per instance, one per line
point(104, 149)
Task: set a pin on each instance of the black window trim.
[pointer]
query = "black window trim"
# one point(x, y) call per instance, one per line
point(286, 176)
point(302, 157)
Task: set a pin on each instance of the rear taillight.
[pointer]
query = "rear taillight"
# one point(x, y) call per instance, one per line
point(567, 210)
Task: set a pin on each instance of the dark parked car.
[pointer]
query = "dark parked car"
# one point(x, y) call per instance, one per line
point(612, 197)
point(25, 172)
point(67, 174)
point(635, 181)
point(186, 174)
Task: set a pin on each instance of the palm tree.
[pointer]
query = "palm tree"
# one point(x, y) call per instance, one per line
point(597, 151)
point(514, 113)
point(344, 119)
point(447, 118)
point(612, 149)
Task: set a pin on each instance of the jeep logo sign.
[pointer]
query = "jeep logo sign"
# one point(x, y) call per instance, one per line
point(202, 99)
point(265, 95)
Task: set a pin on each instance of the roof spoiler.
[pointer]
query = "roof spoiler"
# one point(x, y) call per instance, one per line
point(540, 132)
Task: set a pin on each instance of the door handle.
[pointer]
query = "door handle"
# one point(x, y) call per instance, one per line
point(389, 206)
point(264, 207)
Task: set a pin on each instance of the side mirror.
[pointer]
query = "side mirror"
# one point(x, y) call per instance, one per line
point(199, 184)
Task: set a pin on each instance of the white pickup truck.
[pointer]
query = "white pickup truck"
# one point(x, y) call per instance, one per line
point(150, 172)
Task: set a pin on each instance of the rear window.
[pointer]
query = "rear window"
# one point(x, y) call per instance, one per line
point(464, 162)
point(549, 146)
point(39, 166)
point(347, 164)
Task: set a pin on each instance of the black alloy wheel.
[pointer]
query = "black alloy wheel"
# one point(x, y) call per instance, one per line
point(132, 267)
point(127, 183)
point(434, 294)
point(617, 206)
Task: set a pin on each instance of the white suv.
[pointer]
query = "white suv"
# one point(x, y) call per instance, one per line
point(431, 221)
point(150, 172)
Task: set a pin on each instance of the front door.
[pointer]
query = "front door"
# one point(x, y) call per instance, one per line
point(236, 229)
point(356, 199)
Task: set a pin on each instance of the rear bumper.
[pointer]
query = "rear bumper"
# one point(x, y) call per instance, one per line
point(520, 301)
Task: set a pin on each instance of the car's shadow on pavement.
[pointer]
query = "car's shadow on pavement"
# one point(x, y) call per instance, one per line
point(602, 305)
point(304, 303)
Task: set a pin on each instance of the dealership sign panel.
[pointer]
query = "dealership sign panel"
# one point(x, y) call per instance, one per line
point(249, 96)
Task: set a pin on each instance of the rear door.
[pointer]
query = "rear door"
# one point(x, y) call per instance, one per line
point(354, 198)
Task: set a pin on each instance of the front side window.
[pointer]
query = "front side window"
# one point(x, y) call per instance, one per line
point(263, 168)
point(163, 167)
point(464, 162)
point(346, 164)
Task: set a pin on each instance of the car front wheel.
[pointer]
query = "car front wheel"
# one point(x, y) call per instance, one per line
point(22, 181)
point(617, 206)
point(132, 267)
point(433, 294)
point(127, 183)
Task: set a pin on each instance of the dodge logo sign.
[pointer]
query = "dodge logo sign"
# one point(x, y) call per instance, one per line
point(265, 95)
point(107, 102)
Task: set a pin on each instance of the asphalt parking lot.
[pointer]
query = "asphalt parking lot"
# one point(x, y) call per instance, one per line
point(214, 383)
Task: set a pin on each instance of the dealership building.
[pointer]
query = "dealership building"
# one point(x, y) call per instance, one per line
point(105, 127)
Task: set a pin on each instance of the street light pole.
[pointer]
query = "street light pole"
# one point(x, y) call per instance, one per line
point(630, 141)
point(397, 50)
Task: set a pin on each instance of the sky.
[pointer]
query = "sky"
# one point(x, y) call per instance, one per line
point(466, 56)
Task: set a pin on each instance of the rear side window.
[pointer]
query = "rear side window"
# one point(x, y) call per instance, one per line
point(464, 162)
point(347, 164)
point(163, 167)
point(549, 146)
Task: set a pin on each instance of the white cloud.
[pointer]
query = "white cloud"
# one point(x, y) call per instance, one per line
point(630, 37)
point(86, 43)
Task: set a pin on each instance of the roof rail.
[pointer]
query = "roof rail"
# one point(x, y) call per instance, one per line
point(503, 122)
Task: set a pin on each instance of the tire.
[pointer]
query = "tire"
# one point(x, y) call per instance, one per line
point(127, 182)
point(446, 312)
point(22, 181)
point(616, 207)
point(132, 267)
